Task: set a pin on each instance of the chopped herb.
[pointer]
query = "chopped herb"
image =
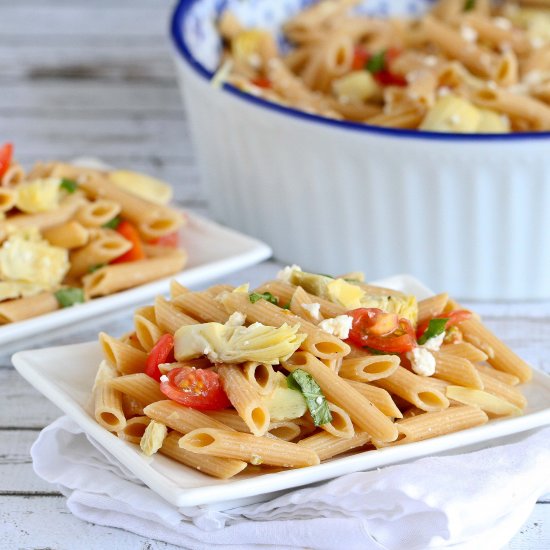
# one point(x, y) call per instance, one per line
point(469, 5)
point(69, 296)
point(95, 267)
point(316, 402)
point(377, 62)
point(286, 306)
point(435, 328)
point(68, 185)
point(114, 223)
point(267, 296)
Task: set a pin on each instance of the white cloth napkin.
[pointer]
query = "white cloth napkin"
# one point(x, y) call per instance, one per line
point(466, 501)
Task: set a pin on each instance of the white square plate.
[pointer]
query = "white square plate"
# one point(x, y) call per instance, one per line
point(214, 251)
point(65, 375)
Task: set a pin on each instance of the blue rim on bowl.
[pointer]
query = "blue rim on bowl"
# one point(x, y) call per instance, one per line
point(181, 11)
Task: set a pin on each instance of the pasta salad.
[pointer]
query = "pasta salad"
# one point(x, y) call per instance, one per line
point(300, 370)
point(471, 66)
point(69, 234)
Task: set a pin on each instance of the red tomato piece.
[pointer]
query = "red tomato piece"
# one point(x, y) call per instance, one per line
point(162, 352)
point(195, 388)
point(453, 319)
point(170, 239)
point(382, 331)
point(360, 58)
point(130, 233)
point(6, 154)
point(261, 82)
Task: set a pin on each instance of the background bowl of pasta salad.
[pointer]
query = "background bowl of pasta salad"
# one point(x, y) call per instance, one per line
point(429, 158)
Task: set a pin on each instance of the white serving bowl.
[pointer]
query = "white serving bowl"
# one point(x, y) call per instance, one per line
point(466, 213)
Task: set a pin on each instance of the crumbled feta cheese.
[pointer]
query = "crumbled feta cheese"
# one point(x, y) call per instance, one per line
point(430, 60)
point(433, 344)
point(313, 309)
point(469, 34)
point(455, 119)
point(285, 274)
point(502, 23)
point(254, 60)
point(422, 361)
point(256, 460)
point(236, 319)
point(337, 326)
point(164, 378)
point(443, 91)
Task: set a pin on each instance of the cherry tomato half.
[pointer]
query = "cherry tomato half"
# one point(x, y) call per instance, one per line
point(170, 239)
point(130, 233)
point(195, 388)
point(162, 352)
point(453, 319)
point(371, 326)
point(6, 153)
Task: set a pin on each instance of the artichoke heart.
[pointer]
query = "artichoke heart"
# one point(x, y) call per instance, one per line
point(404, 306)
point(237, 344)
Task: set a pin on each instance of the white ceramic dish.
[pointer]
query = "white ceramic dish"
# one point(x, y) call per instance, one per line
point(69, 389)
point(214, 251)
point(467, 213)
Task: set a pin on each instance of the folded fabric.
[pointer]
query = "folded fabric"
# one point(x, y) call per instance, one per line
point(465, 501)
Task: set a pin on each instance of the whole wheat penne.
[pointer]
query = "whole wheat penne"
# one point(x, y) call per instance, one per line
point(379, 397)
point(97, 213)
point(98, 252)
point(247, 447)
point(457, 370)
point(139, 386)
point(464, 350)
point(223, 468)
point(326, 445)
point(368, 368)
point(25, 308)
point(503, 390)
point(125, 358)
point(341, 424)
point(284, 429)
point(245, 399)
point(7, 199)
point(169, 317)
point(502, 376)
point(176, 289)
point(411, 387)
point(134, 429)
point(67, 235)
point(201, 306)
point(363, 413)
point(147, 331)
point(180, 418)
point(131, 406)
point(504, 358)
point(261, 377)
point(433, 424)
point(431, 307)
point(113, 278)
point(108, 409)
point(303, 305)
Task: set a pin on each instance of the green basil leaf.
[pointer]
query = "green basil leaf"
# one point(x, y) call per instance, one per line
point(316, 402)
point(69, 296)
point(95, 267)
point(68, 185)
point(286, 306)
point(469, 5)
point(435, 328)
point(267, 296)
point(114, 223)
point(377, 62)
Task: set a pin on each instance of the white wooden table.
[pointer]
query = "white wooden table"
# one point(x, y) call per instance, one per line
point(96, 78)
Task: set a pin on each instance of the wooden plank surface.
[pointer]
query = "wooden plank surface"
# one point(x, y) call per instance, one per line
point(96, 79)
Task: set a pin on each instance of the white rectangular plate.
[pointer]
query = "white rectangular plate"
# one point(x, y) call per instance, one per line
point(65, 376)
point(214, 251)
